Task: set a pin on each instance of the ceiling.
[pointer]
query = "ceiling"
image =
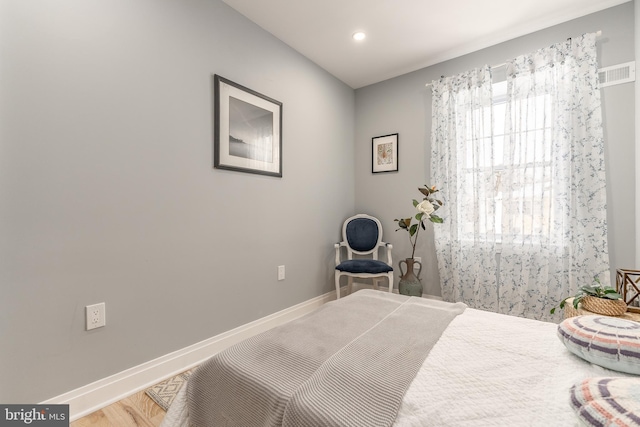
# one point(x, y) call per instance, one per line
point(403, 35)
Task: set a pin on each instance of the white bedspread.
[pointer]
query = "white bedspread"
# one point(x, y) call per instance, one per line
point(494, 370)
point(487, 369)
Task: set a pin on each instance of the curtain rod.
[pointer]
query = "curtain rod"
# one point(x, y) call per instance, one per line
point(598, 35)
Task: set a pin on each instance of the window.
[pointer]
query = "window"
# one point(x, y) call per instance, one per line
point(507, 159)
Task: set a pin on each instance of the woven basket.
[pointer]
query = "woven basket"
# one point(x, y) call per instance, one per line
point(569, 311)
point(608, 307)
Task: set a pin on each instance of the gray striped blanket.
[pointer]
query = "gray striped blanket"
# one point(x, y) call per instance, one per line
point(348, 363)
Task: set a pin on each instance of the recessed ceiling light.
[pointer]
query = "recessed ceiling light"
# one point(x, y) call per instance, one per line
point(359, 36)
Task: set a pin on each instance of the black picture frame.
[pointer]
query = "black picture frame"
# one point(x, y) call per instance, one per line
point(247, 129)
point(384, 153)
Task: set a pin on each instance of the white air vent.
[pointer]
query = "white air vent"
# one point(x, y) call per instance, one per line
point(617, 74)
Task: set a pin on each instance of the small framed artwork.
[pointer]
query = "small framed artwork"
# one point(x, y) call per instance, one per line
point(384, 153)
point(247, 130)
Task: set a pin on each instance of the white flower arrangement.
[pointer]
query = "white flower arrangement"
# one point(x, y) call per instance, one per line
point(426, 209)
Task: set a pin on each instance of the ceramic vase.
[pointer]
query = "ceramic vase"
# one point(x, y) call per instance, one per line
point(410, 283)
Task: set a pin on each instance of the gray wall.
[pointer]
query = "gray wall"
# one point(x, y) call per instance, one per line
point(107, 191)
point(637, 139)
point(403, 105)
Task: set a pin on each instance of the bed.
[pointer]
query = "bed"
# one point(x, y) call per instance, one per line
point(375, 358)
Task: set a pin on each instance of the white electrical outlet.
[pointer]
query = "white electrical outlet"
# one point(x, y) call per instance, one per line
point(281, 272)
point(96, 316)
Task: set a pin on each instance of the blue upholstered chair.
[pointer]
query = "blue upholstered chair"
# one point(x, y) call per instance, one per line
point(362, 236)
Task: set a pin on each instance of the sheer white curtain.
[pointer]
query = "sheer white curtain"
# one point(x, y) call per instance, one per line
point(462, 154)
point(536, 176)
point(555, 239)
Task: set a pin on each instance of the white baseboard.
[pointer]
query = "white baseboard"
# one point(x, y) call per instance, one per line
point(92, 397)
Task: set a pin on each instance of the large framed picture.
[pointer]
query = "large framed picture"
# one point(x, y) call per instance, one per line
point(247, 130)
point(384, 153)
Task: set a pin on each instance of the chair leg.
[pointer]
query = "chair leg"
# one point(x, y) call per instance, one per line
point(375, 283)
point(390, 277)
point(337, 284)
point(349, 284)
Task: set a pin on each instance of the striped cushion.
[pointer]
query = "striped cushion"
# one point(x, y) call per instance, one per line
point(605, 341)
point(603, 402)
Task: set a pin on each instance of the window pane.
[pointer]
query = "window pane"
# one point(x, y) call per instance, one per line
point(507, 179)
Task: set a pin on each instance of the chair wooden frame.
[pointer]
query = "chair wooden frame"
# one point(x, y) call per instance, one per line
point(374, 253)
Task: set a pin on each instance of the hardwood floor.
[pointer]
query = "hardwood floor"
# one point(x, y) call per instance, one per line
point(133, 411)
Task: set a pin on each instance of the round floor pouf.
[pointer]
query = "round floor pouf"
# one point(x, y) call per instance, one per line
point(607, 402)
point(605, 341)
